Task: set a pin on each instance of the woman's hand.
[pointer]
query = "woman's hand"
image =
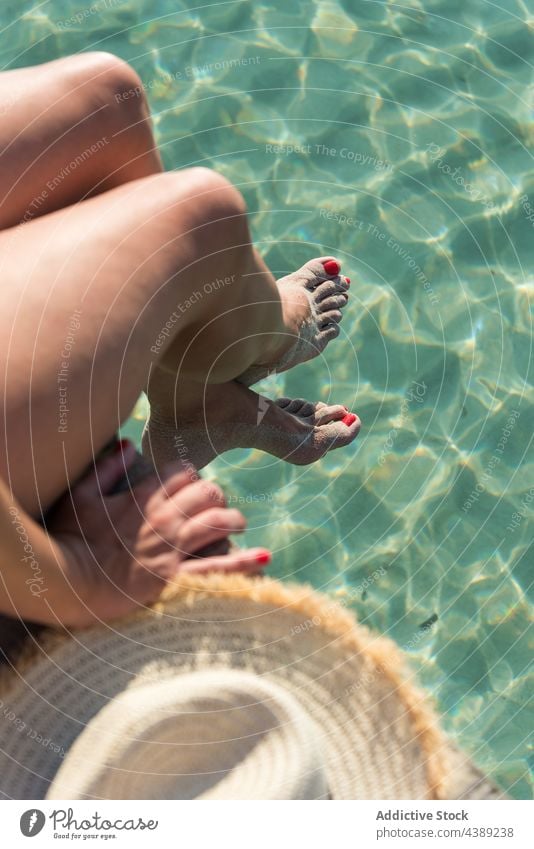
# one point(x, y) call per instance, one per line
point(122, 549)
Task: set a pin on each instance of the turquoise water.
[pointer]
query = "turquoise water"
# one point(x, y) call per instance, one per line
point(413, 131)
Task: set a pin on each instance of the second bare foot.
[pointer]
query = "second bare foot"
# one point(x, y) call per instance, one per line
point(233, 416)
point(312, 300)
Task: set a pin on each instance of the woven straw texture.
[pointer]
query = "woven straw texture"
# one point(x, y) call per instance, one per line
point(379, 737)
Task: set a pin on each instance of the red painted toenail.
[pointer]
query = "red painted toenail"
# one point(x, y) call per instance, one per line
point(349, 419)
point(264, 557)
point(331, 267)
point(347, 280)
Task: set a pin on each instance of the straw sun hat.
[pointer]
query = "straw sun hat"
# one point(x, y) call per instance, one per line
point(229, 688)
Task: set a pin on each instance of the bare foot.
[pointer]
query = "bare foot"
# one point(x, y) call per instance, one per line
point(233, 416)
point(301, 432)
point(312, 300)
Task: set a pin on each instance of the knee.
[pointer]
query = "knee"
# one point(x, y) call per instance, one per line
point(218, 205)
point(211, 201)
point(215, 198)
point(106, 80)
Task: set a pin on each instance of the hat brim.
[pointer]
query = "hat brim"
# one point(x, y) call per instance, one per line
point(379, 735)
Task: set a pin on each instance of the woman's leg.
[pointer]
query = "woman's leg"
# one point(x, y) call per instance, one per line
point(78, 126)
point(70, 129)
point(87, 292)
point(184, 251)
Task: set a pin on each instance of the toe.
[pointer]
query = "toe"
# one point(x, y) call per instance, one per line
point(337, 433)
point(305, 410)
point(329, 413)
point(331, 317)
point(327, 333)
point(326, 266)
point(331, 265)
point(318, 271)
point(297, 406)
point(334, 302)
point(314, 272)
point(330, 289)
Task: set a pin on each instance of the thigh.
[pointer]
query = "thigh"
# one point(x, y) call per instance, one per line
point(85, 294)
point(70, 128)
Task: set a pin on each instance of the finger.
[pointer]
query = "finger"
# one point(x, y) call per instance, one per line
point(175, 476)
point(208, 527)
point(251, 561)
point(106, 472)
point(194, 498)
point(158, 488)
